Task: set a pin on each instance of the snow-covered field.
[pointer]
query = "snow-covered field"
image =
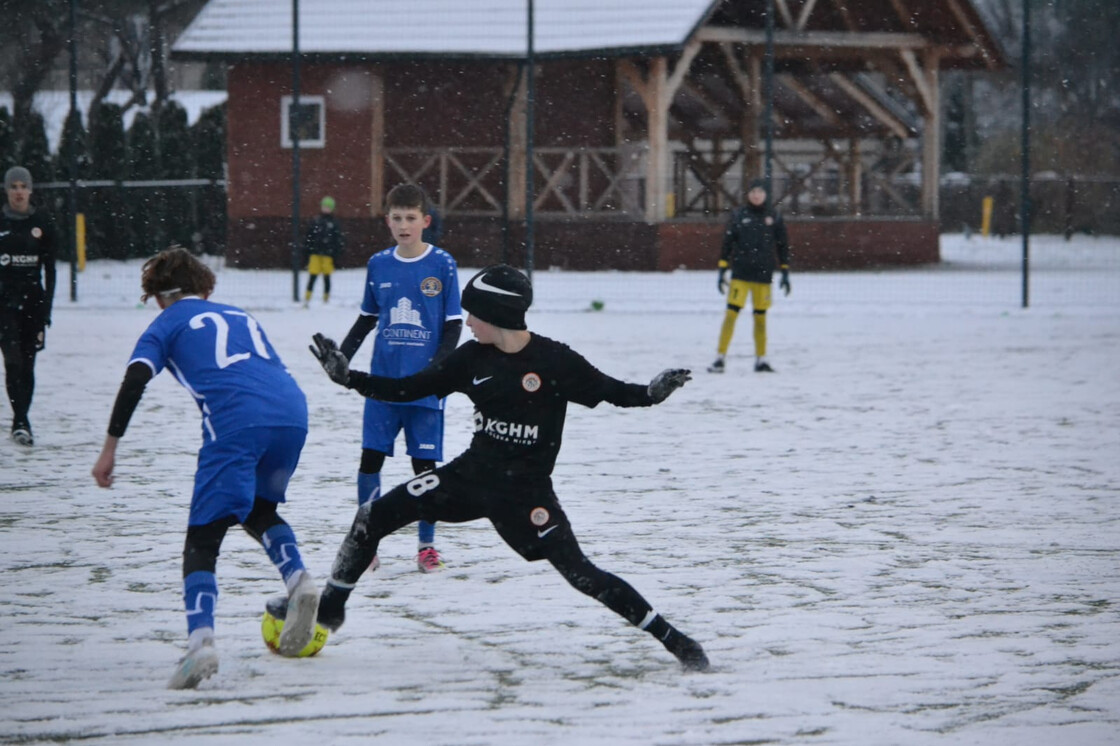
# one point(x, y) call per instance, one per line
point(907, 535)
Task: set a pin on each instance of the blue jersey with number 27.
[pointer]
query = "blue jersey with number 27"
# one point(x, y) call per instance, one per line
point(223, 358)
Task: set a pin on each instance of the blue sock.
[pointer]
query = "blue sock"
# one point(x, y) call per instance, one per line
point(200, 596)
point(369, 487)
point(427, 533)
point(280, 543)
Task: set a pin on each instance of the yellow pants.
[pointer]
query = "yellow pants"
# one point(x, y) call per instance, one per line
point(737, 295)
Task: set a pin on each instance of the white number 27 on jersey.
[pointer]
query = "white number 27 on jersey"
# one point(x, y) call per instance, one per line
point(221, 338)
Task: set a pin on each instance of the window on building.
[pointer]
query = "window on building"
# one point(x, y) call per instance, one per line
point(308, 121)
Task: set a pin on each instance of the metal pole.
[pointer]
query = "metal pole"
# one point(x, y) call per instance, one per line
point(505, 158)
point(295, 122)
point(1025, 183)
point(768, 94)
point(72, 164)
point(529, 196)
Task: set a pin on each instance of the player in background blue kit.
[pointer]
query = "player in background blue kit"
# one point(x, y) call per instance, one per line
point(412, 298)
point(254, 423)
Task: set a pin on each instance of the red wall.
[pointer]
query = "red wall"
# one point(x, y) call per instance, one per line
point(814, 245)
point(260, 169)
point(621, 245)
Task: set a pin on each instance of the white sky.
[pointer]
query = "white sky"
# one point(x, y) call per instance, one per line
point(908, 534)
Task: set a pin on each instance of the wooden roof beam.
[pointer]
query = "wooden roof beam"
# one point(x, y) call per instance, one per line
point(642, 84)
point(973, 33)
point(807, 39)
point(823, 110)
point(920, 79)
point(841, 7)
point(783, 11)
point(871, 105)
point(904, 15)
point(742, 76)
point(701, 97)
point(806, 11)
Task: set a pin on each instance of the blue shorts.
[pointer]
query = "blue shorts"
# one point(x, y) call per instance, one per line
point(239, 467)
point(423, 429)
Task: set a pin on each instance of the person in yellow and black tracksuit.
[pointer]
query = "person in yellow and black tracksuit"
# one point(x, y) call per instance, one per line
point(754, 241)
point(27, 281)
point(322, 246)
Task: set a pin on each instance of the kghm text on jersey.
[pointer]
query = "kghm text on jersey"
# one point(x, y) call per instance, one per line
point(509, 432)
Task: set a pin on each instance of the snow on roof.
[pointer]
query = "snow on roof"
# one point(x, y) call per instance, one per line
point(492, 28)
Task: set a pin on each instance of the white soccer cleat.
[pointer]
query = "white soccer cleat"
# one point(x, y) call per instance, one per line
point(197, 665)
point(299, 622)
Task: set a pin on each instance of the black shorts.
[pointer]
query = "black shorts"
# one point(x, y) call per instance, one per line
point(525, 513)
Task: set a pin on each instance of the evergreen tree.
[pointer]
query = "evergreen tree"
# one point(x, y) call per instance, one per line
point(143, 165)
point(74, 140)
point(7, 140)
point(208, 136)
point(176, 162)
point(34, 152)
point(107, 218)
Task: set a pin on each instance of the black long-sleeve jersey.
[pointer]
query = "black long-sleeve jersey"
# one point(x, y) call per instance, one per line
point(324, 237)
point(520, 399)
point(27, 264)
point(755, 237)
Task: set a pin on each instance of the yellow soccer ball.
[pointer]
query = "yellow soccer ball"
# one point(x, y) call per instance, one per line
point(270, 631)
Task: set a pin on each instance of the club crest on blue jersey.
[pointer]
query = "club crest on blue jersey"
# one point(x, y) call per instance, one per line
point(431, 286)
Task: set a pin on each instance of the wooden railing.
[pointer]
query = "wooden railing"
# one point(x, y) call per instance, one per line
point(577, 182)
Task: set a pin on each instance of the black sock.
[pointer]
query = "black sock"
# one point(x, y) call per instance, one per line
point(660, 628)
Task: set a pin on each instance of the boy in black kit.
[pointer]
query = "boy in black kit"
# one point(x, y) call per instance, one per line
point(27, 282)
point(521, 384)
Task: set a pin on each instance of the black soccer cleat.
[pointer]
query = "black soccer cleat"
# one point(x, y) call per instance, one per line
point(688, 652)
point(21, 434)
point(328, 616)
point(763, 367)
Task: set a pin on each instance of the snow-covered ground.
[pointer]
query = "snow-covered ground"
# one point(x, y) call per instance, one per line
point(907, 535)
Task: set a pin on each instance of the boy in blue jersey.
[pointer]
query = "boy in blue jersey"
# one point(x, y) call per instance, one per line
point(254, 423)
point(412, 297)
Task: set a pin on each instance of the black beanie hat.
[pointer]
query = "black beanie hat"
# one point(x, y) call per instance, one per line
point(499, 295)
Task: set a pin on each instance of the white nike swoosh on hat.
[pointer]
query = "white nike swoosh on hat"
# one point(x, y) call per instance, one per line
point(480, 283)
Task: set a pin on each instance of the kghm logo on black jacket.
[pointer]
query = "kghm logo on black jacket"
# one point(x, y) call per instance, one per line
point(19, 260)
point(507, 432)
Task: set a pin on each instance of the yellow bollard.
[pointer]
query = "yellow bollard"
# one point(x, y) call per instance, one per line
point(80, 242)
point(986, 217)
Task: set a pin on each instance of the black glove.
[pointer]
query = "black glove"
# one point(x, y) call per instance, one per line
point(784, 284)
point(331, 358)
point(666, 382)
point(722, 282)
point(41, 340)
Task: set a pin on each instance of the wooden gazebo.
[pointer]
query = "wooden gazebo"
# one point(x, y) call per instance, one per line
point(649, 119)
